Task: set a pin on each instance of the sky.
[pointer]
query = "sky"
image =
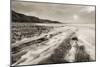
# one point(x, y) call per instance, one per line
point(65, 13)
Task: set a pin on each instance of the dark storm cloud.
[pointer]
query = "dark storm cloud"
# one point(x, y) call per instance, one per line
point(57, 12)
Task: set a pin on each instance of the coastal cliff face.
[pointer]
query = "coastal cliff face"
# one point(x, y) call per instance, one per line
point(21, 18)
point(37, 41)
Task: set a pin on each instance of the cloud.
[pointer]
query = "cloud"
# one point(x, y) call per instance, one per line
point(58, 12)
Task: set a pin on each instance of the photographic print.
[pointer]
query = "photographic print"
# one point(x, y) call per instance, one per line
point(52, 33)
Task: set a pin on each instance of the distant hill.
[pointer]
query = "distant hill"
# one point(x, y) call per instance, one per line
point(20, 18)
